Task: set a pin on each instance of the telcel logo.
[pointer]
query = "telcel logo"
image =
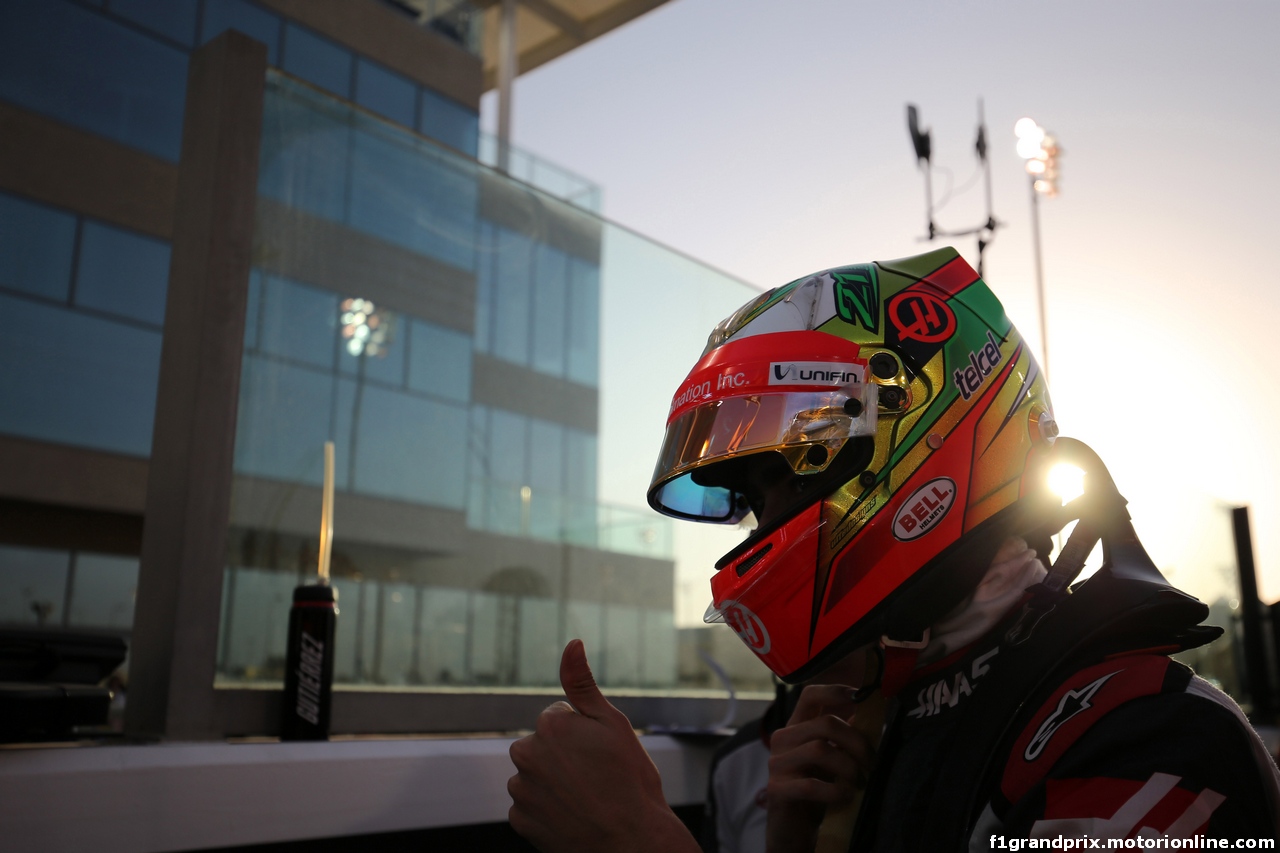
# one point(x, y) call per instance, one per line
point(922, 511)
point(747, 626)
point(981, 364)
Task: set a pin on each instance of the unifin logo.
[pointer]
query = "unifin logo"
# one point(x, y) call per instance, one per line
point(814, 373)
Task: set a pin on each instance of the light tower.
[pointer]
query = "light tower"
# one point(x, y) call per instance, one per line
point(1040, 150)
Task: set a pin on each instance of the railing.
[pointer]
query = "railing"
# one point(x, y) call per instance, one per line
point(543, 174)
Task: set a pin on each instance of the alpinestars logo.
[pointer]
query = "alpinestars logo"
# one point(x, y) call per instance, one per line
point(1074, 702)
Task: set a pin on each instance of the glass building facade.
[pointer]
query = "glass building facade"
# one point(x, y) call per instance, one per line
point(467, 341)
point(420, 369)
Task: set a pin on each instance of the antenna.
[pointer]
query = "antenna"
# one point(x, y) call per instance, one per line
point(924, 151)
point(923, 145)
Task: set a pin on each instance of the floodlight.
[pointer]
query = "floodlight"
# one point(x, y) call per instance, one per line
point(1026, 127)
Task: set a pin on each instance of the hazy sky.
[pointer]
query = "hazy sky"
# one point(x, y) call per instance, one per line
point(769, 140)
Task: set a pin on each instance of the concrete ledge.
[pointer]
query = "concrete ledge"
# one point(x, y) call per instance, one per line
point(191, 796)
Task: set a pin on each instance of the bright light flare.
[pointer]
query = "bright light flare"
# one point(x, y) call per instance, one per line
point(1028, 148)
point(1027, 127)
point(366, 330)
point(1030, 138)
point(1066, 481)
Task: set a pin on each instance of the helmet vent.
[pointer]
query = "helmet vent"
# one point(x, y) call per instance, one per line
point(884, 365)
point(750, 562)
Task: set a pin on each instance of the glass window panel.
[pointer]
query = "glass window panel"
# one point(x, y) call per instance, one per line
point(442, 646)
point(102, 591)
point(546, 514)
point(546, 456)
point(303, 159)
point(484, 285)
point(395, 650)
point(580, 488)
point(257, 621)
point(76, 379)
point(299, 322)
point(440, 361)
point(507, 512)
point(366, 628)
point(317, 60)
point(580, 464)
point(79, 67)
point(621, 646)
point(405, 194)
point(408, 448)
point(449, 122)
point(344, 634)
point(175, 19)
point(550, 289)
point(585, 621)
point(385, 92)
point(584, 322)
point(539, 642)
point(508, 443)
point(511, 303)
point(36, 246)
point(222, 15)
point(478, 468)
point(283, 421)
point(658, 664)
point(483, 660)
point(33, 584)
point(344, 412)
point(482, 637)
point(253, 310)
point(122, 273)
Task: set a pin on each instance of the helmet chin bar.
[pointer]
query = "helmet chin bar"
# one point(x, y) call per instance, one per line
point(956, 572)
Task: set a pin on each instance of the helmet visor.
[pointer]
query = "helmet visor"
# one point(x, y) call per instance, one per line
point(721, 429)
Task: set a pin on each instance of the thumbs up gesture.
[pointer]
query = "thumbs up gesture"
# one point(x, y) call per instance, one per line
point(583, 781)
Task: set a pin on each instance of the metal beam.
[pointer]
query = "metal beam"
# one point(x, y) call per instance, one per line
point(592, 28)
point(557, 17)
point(507, 71)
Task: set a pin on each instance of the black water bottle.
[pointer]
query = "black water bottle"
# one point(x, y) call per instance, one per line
point(308, 675)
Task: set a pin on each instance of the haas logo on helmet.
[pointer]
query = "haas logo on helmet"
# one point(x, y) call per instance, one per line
point(922, 511)
point(747, 626)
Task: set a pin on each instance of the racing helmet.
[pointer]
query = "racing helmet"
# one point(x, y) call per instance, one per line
point(888, 429)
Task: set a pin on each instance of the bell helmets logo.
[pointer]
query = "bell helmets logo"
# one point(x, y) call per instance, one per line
point(747, 626)
point(922, 511)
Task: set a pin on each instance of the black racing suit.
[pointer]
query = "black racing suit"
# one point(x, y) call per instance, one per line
point(1069, 719)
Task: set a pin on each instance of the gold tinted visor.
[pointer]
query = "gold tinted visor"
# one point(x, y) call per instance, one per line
point(789, 422)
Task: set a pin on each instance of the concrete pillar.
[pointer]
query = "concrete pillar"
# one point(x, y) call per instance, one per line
point(175, 632)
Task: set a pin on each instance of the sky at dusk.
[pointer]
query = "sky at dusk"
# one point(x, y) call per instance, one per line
point(769, 140)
